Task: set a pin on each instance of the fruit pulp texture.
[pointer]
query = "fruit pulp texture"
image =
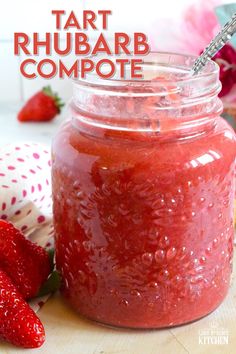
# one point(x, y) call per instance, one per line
point(144, 228)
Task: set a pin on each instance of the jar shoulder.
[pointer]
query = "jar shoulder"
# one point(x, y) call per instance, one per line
point(72, 147)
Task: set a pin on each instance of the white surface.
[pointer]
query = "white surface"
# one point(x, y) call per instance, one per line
point(10, 80)
point(13, 131)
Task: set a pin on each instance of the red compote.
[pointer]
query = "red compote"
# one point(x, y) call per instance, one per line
point(143, 187)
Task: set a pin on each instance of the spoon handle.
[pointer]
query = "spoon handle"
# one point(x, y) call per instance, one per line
point(215, 45)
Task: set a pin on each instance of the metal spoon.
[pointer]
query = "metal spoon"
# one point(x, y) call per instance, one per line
point(215, 45)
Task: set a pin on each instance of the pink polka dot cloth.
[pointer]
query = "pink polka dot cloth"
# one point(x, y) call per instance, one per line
point(25, 193)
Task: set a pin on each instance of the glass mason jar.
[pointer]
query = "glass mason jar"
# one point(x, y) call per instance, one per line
point(143, 189)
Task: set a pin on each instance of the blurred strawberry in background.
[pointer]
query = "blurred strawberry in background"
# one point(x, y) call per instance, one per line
point(42, 107)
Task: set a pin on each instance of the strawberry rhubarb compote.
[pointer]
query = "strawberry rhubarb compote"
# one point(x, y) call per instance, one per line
point(143, 187)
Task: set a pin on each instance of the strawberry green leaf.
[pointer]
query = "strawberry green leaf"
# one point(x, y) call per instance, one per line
point(51, 254)
point(51, 285)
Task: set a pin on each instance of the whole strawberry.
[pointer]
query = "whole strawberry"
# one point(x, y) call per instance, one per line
point(42, 107)
point(27, 264)
point(19, 324)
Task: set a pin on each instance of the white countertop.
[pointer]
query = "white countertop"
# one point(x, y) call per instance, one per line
point(68, 333)
point(13, 131)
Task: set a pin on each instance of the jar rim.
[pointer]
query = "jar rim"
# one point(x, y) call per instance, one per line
point(177, 65)
point(183, 98)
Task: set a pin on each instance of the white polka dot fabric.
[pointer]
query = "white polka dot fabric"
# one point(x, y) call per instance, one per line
point(25, 192)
